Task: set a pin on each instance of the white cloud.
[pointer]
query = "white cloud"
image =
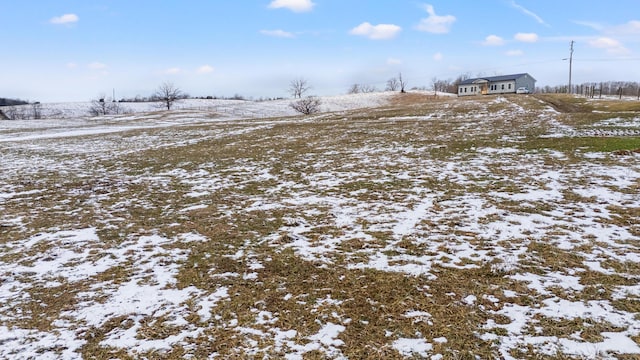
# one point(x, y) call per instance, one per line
point(529, 13)
point(630, 28)
point(376, 32)
point(206, 69)
point(277, 33)
point(436, 24)
point(493, 40)
point(594, 25)
point(393, 61)
point(65, 19)
point(514, 53)
point(438, 56)
point(293, 5)
point(173, 71)
point(526, 37)
point(612, 46)
point(72, 65)
point(97, 66)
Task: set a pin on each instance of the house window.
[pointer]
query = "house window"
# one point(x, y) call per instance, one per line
point(502, 86)
point(509, 86)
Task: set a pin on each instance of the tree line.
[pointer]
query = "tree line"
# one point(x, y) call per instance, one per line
point(12, 102)
point(400, 83)
point(608, 88)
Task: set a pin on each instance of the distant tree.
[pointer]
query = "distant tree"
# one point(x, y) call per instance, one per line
point(392, 84)
point(443, 85)
point(459, 79)
point(11, 102)
point(402, 83)
point(17, 113)
point(367, 88)
point(167, 94)
point(298, 87)
point(36, 110)
point(361, 88)
point(307, 106)
point(397, 83)
point(103, 106)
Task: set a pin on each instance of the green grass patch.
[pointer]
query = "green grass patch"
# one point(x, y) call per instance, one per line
point(583, 144)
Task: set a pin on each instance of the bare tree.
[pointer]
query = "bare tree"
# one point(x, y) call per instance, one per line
point(392, 84)
point(367, 88)
point(402, 83)
point(103, 106)
point(460, 79)
point(298, 87)
point(361, 88)
point(168, 94)
point(435, 84)
point(36, 110)
point(16, 113)
point(439, 85)
point(307, 106)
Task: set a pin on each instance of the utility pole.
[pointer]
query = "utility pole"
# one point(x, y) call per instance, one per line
point(570, 65)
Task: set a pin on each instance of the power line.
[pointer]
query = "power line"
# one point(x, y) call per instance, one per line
point(608, 59)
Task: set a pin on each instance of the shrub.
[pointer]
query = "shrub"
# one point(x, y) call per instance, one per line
point(307, 106)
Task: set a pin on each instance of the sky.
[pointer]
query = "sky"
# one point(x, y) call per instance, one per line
point(79, 50)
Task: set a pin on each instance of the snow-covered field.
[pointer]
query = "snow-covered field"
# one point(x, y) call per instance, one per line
point(493, 227)
point(228, 108)
point(73, 119)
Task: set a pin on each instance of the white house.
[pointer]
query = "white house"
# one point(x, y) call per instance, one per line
point(503, 84)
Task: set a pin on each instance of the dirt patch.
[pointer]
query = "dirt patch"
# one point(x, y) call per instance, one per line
point(565, 103)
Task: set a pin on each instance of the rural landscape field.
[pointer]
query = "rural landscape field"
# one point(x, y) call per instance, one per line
point(393, 226)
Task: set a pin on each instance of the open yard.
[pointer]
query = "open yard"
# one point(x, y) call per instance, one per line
point(477, 228)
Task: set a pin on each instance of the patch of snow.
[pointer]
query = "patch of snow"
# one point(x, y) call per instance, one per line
point(412, 347)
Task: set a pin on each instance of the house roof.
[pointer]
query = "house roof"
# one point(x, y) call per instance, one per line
point(495, 78)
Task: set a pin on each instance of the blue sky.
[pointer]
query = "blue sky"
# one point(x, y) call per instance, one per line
point(76, 50)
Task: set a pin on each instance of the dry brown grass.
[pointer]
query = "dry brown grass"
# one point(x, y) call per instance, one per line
point(128, 195)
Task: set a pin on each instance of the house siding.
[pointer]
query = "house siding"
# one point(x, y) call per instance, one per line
point(507, 84)
point(526, 81)
point(502, 87)
point(467, 90)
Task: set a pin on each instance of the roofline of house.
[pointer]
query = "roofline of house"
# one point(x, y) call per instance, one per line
point(496, 78)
